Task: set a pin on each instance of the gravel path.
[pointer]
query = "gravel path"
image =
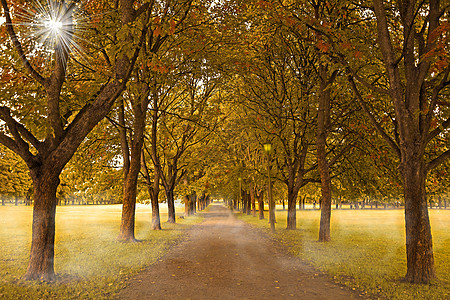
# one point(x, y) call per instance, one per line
point(224, 258)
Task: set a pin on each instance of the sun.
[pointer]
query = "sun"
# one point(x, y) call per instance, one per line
point(51, 29)
point(54, 25)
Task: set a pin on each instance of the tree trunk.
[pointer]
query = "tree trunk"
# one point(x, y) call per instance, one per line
point(260, 199)
point(194, 205)
point(129, 196)
point(243, 202)
point(292, 210)
point(249, 203)
point(186, 205)
point(419, 245)
point(170, 206)
point(128, 213)
point(41, 263)
point(323, 115)
point(154, 197)
point(252, 199)
point(156, 219)
point(132, 165)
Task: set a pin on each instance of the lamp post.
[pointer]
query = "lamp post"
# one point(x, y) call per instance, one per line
point(240, 193)
point(268, 149)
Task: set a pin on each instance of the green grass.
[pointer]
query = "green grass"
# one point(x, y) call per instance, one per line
point(367, 251)
point(90, 263)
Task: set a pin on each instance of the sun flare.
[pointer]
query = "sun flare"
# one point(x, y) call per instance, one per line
point(53, 25)
point(48, 27)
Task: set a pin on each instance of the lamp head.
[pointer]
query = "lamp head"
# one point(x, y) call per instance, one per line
point(268, 147)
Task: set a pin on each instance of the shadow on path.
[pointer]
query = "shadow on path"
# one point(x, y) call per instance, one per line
point(224, 258)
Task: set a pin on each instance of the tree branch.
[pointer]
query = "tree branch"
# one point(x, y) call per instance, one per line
point(22, 147)
point(438, 160)
point(8, 142)
point(374, 122)
point(438, 130)
point(10, 29)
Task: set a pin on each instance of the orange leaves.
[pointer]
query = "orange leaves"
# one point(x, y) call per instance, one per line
point(439, 31)
point(346, 46)
point(290, 21)
point(434, 124)
point(173, 25)
point(325, 47)
point(357, 54)
point(159, 67)
point(157, 31)
point(5, 77)
point(440, 65)
point(162, 27)
point(263, 4)
point(438, 41)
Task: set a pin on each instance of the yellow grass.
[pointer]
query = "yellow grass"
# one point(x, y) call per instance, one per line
point(90, 263)
point(367, 251)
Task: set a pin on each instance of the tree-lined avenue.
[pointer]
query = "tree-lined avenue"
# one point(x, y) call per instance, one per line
point(225, 258)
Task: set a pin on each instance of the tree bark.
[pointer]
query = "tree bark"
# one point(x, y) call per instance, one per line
point(156, 219)
point(128, 212)
point(186, 205)
point(170, 206)
point(41, 263)
point(132, 163)
point(323, 121)
point(129, 195)
point(252, 199)
point(292, 210)
point(260, 198)
point(419, 244)
point(249, 203)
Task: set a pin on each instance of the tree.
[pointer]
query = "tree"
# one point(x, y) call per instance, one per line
point(66, 129)
point(279, 90)
point(167, 18)
point(414, 89)
point(407, 67)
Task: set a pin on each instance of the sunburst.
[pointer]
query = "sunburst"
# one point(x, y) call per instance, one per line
point(51, 27)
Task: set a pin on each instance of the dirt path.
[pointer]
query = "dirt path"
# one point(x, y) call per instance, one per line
point(223, 258)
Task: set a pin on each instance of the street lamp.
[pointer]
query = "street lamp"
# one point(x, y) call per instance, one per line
point(240, 192)
point(268, 150)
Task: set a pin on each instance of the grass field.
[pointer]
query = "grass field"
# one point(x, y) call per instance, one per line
point(367, 251)
point(90, 263)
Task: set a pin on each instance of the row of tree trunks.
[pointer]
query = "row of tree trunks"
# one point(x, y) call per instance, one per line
point(203, 202)
point(302, 202)
point(246, 202)
point(190, 204)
